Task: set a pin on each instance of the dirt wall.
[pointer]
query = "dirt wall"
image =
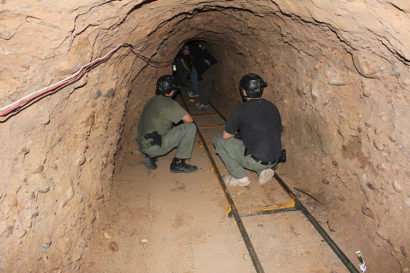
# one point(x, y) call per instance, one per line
point(340, 81)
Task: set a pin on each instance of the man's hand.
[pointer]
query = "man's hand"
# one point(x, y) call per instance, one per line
point(187, 118)
point(226, 135)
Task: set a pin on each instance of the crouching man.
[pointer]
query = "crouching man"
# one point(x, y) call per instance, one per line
point(251, 139)
point(156, 135)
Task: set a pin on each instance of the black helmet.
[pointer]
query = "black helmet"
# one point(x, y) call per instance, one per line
point(253, 85)
point(167, 83)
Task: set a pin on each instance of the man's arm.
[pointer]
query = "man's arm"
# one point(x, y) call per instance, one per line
point(187, 118)
point(226, 134)
point(184, 64)
point(232, 125)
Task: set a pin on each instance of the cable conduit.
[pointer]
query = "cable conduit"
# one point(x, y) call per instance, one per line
point(4, 111)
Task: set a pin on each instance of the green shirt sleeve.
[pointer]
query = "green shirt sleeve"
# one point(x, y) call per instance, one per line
point(175, 112)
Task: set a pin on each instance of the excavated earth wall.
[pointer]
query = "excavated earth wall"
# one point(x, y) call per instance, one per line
point(337, 70)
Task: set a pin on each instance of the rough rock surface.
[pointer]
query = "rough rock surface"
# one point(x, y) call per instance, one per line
point(337, 70)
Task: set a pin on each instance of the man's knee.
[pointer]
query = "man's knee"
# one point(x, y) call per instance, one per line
point(188, 129)
point(152, 151)
point(191, 126)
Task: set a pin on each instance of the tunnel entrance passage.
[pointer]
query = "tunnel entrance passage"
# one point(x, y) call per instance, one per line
point(179, 223)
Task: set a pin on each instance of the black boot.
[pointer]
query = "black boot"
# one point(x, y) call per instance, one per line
point(149, 162)
point(179, 166)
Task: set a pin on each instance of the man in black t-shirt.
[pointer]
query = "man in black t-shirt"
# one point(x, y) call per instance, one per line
point(204, 62)
point(251, 139)
point(183, 65)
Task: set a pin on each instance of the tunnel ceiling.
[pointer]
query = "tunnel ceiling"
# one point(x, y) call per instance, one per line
point(337, 70)
point(381, 33)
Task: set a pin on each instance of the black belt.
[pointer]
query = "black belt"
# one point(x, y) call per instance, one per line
point(257, 159)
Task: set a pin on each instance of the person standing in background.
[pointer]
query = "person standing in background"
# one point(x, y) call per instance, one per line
point(203, 62)
point(185, 71)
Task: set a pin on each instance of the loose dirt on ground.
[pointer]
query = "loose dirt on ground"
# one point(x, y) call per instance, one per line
point(160, 222)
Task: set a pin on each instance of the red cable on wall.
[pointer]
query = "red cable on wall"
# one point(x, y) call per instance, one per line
point(74, 77)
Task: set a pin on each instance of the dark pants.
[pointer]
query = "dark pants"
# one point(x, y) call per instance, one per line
point(184, 77)
point(206, 86)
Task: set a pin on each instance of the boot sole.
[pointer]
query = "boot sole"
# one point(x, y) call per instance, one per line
point(177, 171)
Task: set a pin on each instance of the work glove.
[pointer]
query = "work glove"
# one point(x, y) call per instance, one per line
point(156, 138)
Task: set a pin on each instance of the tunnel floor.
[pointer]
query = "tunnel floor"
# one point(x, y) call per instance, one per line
point(161, 222)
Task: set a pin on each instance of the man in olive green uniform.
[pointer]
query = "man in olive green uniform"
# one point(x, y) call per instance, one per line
point(156, 134)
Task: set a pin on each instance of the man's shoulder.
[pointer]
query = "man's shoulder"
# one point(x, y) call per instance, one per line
point(259, 105)
point(239, 108)
point(162, 99)
point(267, 103)
point(169, 104)
point(150, 101)
point(159, 101)
point(237, 112)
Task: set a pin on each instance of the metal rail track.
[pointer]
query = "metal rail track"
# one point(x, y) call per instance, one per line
point(294, 205)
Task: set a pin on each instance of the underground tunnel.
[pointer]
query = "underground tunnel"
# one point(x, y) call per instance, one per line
point(75, 197)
